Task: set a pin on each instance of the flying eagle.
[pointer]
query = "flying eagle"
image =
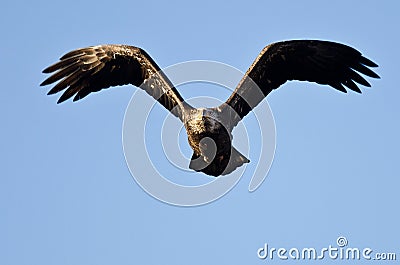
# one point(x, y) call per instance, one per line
point(209, 130)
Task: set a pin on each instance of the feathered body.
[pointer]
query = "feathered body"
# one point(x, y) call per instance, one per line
point(211, 141)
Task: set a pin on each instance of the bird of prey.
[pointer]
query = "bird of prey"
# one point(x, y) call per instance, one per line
point(86, 70)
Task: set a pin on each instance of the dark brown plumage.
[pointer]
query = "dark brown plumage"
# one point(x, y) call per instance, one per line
point(210, 130)
point(323, 62)
point(91, 69)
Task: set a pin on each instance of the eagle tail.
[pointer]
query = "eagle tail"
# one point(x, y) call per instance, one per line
point(222, 165)
point(236, 160)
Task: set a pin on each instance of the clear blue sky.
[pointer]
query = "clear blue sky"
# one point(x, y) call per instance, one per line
point(66, 194)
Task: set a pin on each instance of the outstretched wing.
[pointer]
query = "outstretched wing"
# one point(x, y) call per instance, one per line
point(323, 62)
point(91, 69)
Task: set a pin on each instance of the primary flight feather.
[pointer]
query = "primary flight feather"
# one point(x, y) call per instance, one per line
point(83, 71)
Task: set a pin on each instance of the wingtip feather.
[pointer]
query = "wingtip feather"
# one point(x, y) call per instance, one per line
point(46, 71)
point(367, 62)
point(61, 99)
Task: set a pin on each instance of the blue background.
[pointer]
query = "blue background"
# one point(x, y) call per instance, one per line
point(66, 194)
